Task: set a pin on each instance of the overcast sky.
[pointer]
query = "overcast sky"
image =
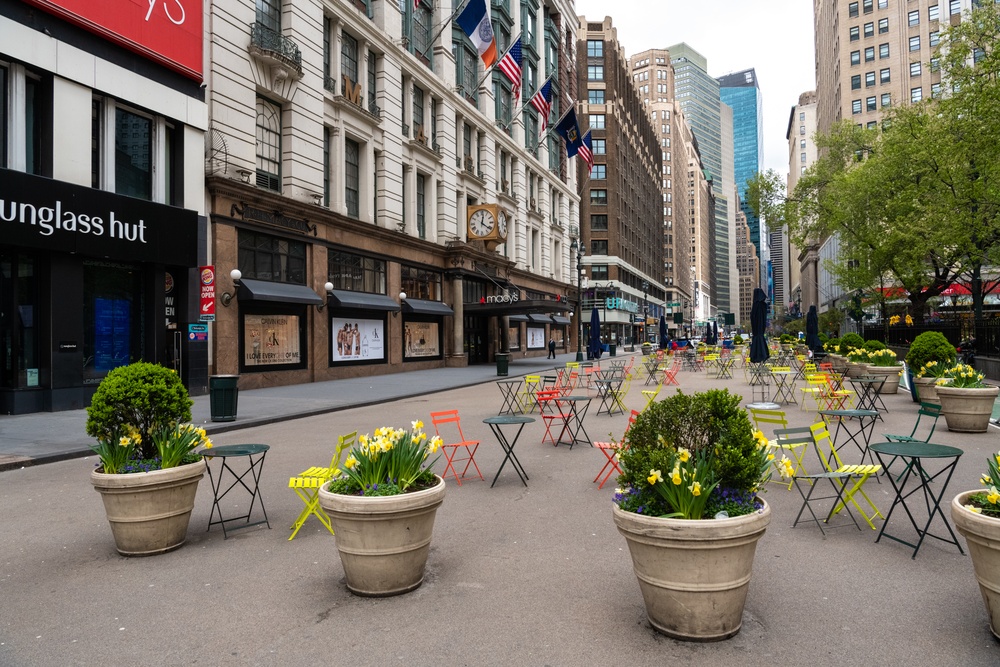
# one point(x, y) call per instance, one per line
point(775, 37)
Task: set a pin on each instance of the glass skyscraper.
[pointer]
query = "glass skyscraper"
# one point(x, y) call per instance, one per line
point(741, 92)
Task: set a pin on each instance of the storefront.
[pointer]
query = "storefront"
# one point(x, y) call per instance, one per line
point(89, 281)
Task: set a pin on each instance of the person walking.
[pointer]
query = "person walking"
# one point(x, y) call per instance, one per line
point(552, 348)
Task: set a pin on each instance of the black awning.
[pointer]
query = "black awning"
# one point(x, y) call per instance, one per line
point(559, 319)
point(539, 318)
point(424, 307)
point(263, 290)
point(518, 318)
point(361, 300)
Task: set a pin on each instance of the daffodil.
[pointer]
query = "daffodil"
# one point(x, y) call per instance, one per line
point(974, 509)
point(675, 477)
point(695, 489)
point(417, 425)
point(350, 462)
point(993, 496)
point(683, 454)
point(654, 477)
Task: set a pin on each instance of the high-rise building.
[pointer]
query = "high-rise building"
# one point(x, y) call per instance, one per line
point(800, 267)
point(622, 220)
point(748, 267)
point(741, 91)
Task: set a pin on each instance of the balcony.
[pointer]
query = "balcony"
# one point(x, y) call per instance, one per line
point(276, 50)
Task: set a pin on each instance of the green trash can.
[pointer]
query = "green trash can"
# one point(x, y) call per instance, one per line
point(612, 348)
point(503, 363)
point(223, 395)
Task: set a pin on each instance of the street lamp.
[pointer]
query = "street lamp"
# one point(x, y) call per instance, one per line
point(578, 247)
point(645, 309)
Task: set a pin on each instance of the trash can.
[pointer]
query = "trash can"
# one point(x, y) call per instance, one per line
point(223, 395)
point(503, 363)
point(612, 348)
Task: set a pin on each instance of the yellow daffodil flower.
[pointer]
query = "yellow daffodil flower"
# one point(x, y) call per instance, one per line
point(695, 489)
point(993, 496)
point(675, 477)
point(654, 477)
point(684, 455)
point(350, 462)
point(417, 425)
point(985, 479)
point(973, 509)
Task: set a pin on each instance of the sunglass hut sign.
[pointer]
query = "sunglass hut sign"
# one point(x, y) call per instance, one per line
point(48, 220)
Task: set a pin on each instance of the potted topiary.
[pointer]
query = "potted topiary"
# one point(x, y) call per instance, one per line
point(966, 401)
point(882, 363)
point(149, 468)
point(852, 346)
point(925, 348)
point(832, 349)
point(977, 517)
point(688, 507)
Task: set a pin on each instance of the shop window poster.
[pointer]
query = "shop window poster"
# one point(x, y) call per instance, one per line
point(514, 338)
point(352, 339)
point(112, 333)
point(536, 338)
point(271, 340)
point(421, 339)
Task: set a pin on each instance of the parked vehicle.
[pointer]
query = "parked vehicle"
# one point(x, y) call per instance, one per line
point(966, 351)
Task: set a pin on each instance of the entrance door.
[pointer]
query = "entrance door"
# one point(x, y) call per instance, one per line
point(476, 339)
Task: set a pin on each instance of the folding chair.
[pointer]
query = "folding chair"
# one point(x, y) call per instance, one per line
point(444, 418)
point(859, 474)
point(795, 441)
point(619, 393)
point(531, 384)
point(772, 417)
point(838, 480)
point(306, 485)
point(929, 410)
point(548, 400)
point(670, 374)
point(610, 451)
point(651, 394)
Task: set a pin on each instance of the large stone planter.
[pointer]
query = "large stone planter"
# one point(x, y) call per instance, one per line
point(383, 541)
point(982, 533)
point(839, 363)
point(693, 575)
point(891, 374)
point(967, 410)
point(855, 369)
point(149, 512)
point(927, 390)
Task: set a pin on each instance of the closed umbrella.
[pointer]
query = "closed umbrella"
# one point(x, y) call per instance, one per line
point(758, 325)
point(594, 346)
point(812, 331)
point(715, 332)
point(663, 332)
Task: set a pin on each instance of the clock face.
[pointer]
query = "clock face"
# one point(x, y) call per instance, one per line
point(482, 223)
point(502, 223)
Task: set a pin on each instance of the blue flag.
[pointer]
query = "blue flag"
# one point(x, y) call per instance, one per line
point(569, 130)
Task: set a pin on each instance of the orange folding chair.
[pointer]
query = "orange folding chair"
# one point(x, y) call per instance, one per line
point(548, 400)
point(610, 451)
point(451, 446)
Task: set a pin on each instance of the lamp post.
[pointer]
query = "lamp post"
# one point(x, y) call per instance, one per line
point(578, 247)
point(645, 309)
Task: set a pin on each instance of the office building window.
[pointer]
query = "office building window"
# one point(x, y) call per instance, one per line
point(915, 69)
point(867, 6)
point(599, 146)
point(871, 125)
point(886, 100)
point(916, 94)
point(869, 54)
point(599, 223)
point(599, 247)
point(935, 64)
point(883, 4)
point(421, 206)
point(932, 13)
point(595, 97)
point(268, 145)
point(802, 143)
point(597, 121)
point(915, 43)
point(356, 273)
point(852, 9)
point(935, 90)
point(595, 72)
point(855, 106)
point(856, 82)
point(869, 29)
point(599, 272)
point(934, 38)
point(419, 283)
point(883, 26)
point(855, 33)
point(598, 197)
point(883, 75)
point(352, 177)
point(869, 79)
point(954, 7)
point(802, 129)
point(802, 157)
point(599, 172)
point(349, 57)
point(265, 257)
point(802, 115)
point(855, 57)
point(913, 18)
point(883, 50)
point(134, 153)
point(595, 48)
point(870, 104)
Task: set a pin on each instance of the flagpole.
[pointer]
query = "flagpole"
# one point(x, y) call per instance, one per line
point(493, 66)
point(444, 27)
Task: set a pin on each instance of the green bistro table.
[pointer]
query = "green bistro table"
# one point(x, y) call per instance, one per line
point(509, 392)
point(861, 436)
point(917, 453)
point(784, 387)
point(573, 419)
point(867, 388)
point(251, 486)
point(495, 424)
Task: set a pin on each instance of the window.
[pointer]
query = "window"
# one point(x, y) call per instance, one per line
point(352, 177)
point(598, 197)
point(599, 172)
point(869, 29)
point(883, 75)
point(935, 64)
point(913, 18)
point(916, 95)
point(852, 10)
point(883, 4)
point(597, 121)
point(802, 157)
point(349, 57)
point(595, 48)
point(599, 272)
point(133, 154)
point(883, 50)
point(421, 207)
point(915, 69)
point(802, 115)
point(883, 26)
point(915, 43)
point(869, 79)
point(855, 57)
point(599, 247)
point(867, 6)
point(418, 109)
point(935, 90)
point(269, 14)
point(467, 68)
point(372, 81)
point(355, 273)
point(954, 7)
point(595, 72)
point(268, 145)
point(934, 38)
point(870, 104)
point(855, 33)
point(802, 129)
point(599, 146)
point(112, 316)
point(871, 125)
point(802, 143)
point(595, 97)
point(599, 223)
point(932, 13)
point(266, 257)
point(856, 106)
point(419, 283)
point(869, 54)
point(855, 82)
point(886, 100)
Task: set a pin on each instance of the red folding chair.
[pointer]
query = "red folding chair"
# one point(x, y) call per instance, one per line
point(610, 451)
point(450, 447)
point(548, 401)
point(670, 375)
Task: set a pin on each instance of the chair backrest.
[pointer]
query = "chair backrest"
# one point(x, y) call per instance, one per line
point(794, 436)
point(532, 380)
point(545, 396)
point(821, 435)
point(444, 418)
point(344, 444)
point(826, 366)
point(768, 417)
point(931, 411)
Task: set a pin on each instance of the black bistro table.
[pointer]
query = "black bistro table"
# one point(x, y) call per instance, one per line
point(576, 410)
point(861, 436)
point(496, 424)
point(253, 468)
point(867, 388)
point(917, 454)
point(509, 391)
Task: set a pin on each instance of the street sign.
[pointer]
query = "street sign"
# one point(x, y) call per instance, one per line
point(673, 304)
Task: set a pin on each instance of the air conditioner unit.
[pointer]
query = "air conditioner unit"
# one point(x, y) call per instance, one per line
point(505, 185)
point(470, 165)
point(532, 204)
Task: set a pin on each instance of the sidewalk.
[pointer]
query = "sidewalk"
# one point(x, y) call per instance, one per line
point(44, 437)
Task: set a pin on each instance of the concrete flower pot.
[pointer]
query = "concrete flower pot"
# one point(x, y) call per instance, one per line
point(927, 390)
point(383, 541)
point(693, 575)
point(982, 533)
point(891, 374)
point(149, 512)
point(967, 410)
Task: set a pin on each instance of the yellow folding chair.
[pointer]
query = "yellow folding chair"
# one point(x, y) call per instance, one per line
point(651, 394)
point(859, 473)
point(532, 383)
point(308, 482)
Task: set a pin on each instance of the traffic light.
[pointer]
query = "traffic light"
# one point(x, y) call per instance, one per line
point(678, 318)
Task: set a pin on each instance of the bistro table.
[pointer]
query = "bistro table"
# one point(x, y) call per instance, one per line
point(495, 424)
point(509, 391)
point(607, 391)
point(866, 424)
point(252, 486)
point(918, 453)
point(867, 388)
point(573, 419)
point(725, 367)
point(652, 364)
point(784, 386)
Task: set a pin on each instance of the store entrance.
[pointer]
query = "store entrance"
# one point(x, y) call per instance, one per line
point(476, 339)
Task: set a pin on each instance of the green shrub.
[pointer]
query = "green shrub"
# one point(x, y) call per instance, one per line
point(147, 397)
point(737, 339)
point(832, 345)
point(930, 346)
point(874, 345)
point(823, 338)
point(851, 341)
point(786, 338)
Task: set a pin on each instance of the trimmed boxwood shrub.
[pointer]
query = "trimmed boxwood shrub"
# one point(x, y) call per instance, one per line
point(823, 338)
point(146, 396)
point(851, 341)
point(930, 346)
point(873, 345)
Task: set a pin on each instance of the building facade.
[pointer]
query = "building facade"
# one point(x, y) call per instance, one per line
point(748, 266)
point(622, 220)
point(387, 204)
point(102, 123)
point(741, 91)
point(802, 273)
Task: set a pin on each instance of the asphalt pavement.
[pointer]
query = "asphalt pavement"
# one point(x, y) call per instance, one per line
point(517, 575)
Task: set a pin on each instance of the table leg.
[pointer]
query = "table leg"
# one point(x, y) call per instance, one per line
point(508, 448)
point(254, 470)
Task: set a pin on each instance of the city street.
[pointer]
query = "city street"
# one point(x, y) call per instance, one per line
point(532, 576)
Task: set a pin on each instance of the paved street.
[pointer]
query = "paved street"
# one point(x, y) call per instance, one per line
point(532, 576)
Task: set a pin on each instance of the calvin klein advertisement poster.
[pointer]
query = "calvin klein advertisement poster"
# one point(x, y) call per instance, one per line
point(421, 339)
point(352, 339)
point(270, 340)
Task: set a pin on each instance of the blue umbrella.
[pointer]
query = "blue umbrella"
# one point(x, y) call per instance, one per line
point(594, 347)
point(663, 332)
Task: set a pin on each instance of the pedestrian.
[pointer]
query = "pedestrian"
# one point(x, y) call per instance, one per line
point(552, 348)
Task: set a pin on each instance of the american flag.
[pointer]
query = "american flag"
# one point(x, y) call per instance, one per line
point(416, 4)
point(510, 65)
point(542, 100)
point(586, 151)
